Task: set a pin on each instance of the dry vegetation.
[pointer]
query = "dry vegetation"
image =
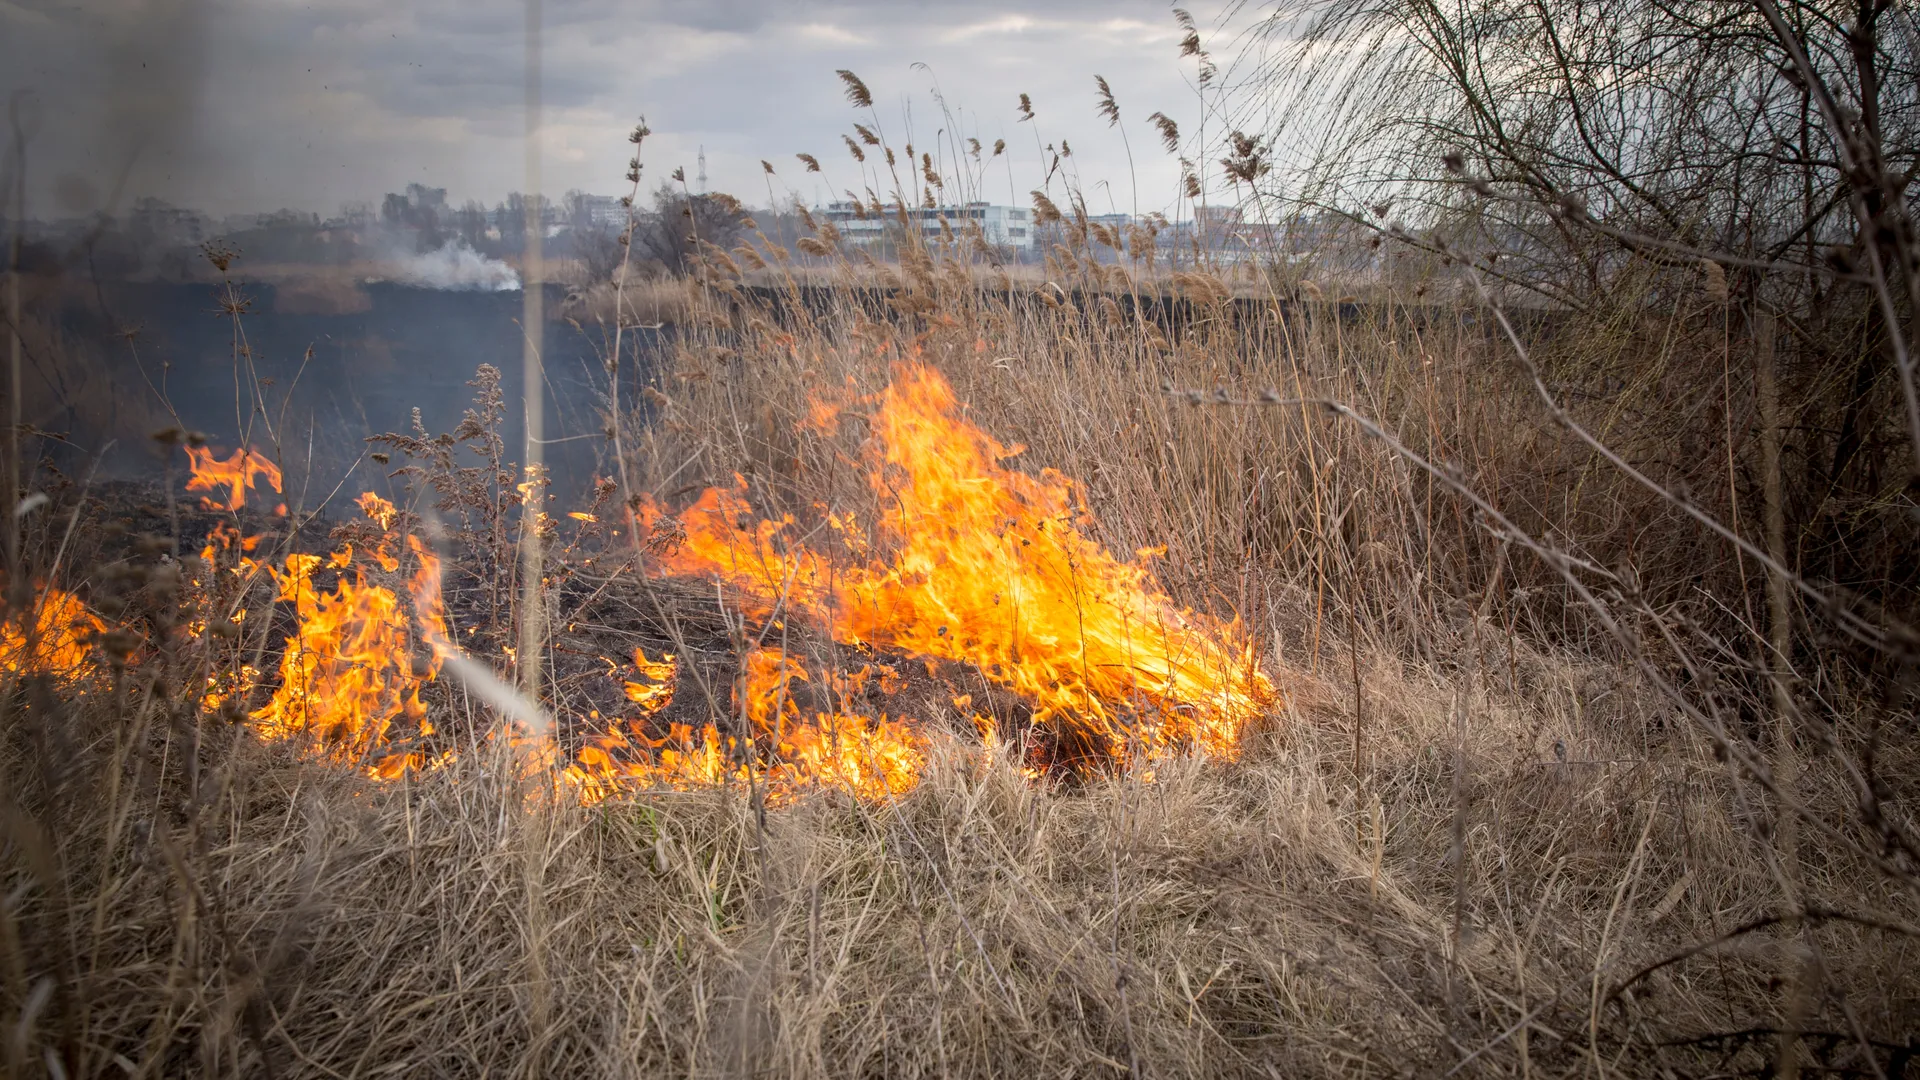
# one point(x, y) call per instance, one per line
point(1530, 801)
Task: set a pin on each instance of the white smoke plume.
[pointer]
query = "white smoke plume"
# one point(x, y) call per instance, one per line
point(455, 266)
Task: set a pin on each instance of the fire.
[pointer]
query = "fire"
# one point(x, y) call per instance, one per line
point(57, 644)
point(792, 747)
point(657, 692)
point(968, 563)
point(870, 756)
point(991, 568)
point(235, 475)
point(348, 673)
point(378, 510)
point(225, 540)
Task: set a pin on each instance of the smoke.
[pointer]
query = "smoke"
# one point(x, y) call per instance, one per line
point(456, 267)
point(157, 80)
point(111, 96)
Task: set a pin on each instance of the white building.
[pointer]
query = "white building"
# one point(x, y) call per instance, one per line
point(595, 211)
point(1002, 226)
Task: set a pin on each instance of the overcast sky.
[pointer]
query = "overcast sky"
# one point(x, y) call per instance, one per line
point(250, 105)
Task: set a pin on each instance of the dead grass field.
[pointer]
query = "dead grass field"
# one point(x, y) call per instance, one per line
point(1470, 838)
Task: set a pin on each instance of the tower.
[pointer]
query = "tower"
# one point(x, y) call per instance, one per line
point(703, 169)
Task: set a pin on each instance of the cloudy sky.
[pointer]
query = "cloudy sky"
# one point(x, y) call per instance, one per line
point(250, 105)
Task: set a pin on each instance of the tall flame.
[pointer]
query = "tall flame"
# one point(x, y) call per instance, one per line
point(348, 672)
point(969, 562)
point(992, 568)
point(234, 475)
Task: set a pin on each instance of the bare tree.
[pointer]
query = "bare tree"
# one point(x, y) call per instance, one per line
point(1601, 161)
point(682, 222)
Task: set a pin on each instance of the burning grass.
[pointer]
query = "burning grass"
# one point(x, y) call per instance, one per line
point(928, 692)
point(974, 570)
point(978, 572)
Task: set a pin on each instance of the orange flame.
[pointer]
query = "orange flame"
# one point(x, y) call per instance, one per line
point(871, 757)
point(58, 643)
point(792, 748)
point(236, 475)
point(970, 562)
point(990, 567)
point(657, 693)
point(348, 672)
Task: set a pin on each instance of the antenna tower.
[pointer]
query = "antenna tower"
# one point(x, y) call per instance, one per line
point(703, 169)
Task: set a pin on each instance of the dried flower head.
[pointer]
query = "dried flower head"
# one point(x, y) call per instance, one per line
point(813, 163)
point(1026, 108)
point(1107, 107)
point(857, 91)
point(1248, 161)
point(1716, 281)
point(1169, 131)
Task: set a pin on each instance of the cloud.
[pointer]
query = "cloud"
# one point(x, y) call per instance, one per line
point(829, 34)
point(234, 105)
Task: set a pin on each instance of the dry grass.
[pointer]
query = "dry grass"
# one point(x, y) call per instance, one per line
point(1239, 919)
point(1473, 824)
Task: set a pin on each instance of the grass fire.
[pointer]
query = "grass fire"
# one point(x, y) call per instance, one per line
point(972, 569)
point(1407, 569)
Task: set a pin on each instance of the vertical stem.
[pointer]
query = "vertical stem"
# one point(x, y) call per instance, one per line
point(1458, 841)
point(13, 321)
point(1733, 488)
point(534, 834)
point(533, 322)
point(1786, 768)
point(1779, 606)
point(1353, 652)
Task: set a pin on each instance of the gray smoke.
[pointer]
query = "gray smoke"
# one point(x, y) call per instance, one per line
point(156, 76)
point(455, 266)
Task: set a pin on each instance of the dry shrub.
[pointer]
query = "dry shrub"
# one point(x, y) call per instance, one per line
point(642, 301)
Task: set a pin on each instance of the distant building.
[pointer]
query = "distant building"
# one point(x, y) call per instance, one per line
point(595, 212)
point(1001, 226)
point(1218, 218)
